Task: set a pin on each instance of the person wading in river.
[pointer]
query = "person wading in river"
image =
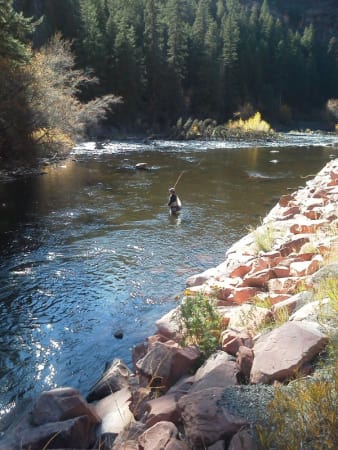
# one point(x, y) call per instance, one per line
point(174, 202)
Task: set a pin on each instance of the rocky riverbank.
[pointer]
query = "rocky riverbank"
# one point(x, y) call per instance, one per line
point(266, 291)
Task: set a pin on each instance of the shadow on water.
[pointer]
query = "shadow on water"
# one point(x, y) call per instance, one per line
point(88, 249)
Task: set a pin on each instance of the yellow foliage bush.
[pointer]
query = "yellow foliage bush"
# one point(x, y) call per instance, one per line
point(52, 136)
point(254, 123)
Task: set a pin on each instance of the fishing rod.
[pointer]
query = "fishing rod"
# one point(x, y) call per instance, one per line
point(179, 177)
point(183, 171)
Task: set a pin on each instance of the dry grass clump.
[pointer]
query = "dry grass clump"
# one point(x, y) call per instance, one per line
point(303, 415)
point(264, 237)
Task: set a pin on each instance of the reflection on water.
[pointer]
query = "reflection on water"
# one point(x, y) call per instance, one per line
point(89, 247)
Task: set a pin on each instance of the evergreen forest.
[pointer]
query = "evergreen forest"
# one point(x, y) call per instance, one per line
point(142, 64)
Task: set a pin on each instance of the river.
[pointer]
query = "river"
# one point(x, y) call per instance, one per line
point(88, 247)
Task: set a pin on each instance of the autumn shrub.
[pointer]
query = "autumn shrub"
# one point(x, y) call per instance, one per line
point(254, 123)
point(40, 107)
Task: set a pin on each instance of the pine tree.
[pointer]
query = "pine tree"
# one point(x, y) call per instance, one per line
point(154, 60)
point(14, 32)
point(230, 34)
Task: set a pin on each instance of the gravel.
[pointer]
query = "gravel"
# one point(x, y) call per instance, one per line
point(248, 401)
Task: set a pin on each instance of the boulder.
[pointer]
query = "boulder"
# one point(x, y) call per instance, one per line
point(242, 441)
point(162, 435)
point(218, 445)
point(201, 278)
point(115, 377)
point(233, 338)
point(280, 353)
point(259, 279)
point(168, 325)
point(219, 370)
point(167, 362)
point(249, 316)
point(284, 285)
point(205, 420)
point(61, 404)
point(114, 412)
point(128, 438)
point(312, 311)
point(243, 294)
point(163, 408)
point(294, 244)
point(307, 226)
point(244, 360)
point(329, 271)
point(77, 433)
point(303, 268)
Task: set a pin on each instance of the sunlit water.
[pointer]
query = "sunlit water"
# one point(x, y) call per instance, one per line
point(88, 248)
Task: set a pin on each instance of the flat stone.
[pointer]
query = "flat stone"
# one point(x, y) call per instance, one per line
point(282, 352)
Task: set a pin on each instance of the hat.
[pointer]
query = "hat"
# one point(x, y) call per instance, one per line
point(172, 190)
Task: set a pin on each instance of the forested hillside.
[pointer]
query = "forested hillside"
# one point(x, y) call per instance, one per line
point(198, 58)
point(205, 58)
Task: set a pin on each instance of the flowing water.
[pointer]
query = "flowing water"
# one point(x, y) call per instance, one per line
point(88, 247)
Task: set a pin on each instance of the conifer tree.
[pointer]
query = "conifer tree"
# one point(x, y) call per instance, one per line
point(230, 55)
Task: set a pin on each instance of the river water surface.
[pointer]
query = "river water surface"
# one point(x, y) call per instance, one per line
point(88, 247)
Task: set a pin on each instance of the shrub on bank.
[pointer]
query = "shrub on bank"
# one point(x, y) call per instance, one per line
point(254, 126)
point(200, 324)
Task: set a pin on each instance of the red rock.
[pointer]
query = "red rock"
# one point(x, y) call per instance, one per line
point(166, 363)
point(284, 285)
point(243, 294)
point(302, 257)
point(303, 268)
point(61, 404)
point(334, 176)
point(313, 214)
point(222, 289)
point(241, 270)
point(168, 326)
point(281, 271)
point(232, 339)
point(291, 212)
point(162, 435)
point(244, 361)
point(309, 227)
point(217, 371)
point(201, 278)
point(78, 432)
point(277, 298)
point(242, 441)
point(280, 353)
point(294, 245)
point(163, 409)
point(320, 193)
point(115, 377)
point(218, 445)
point(258, 279)
point(205, 420)
point(260, 264)
point(286, 199)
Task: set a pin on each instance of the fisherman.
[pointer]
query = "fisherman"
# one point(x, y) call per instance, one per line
point(174, 202)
